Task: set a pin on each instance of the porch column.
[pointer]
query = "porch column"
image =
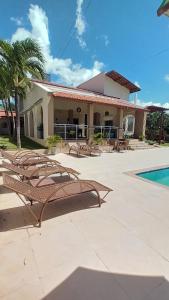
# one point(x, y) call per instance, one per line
point(140, 123)
point(90, 120)
point(51, 117)
point(25, 129)
point(35, 121)
point(45, 118)
point(28, 118)
point(48, 117)
point(121, 118)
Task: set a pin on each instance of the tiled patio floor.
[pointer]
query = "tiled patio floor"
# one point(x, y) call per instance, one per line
point(117, 252)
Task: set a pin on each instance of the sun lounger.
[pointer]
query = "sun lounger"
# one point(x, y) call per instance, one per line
point(44, 171)
point(122, 145)
point(84, 149)
point(54, 192)
point(27, 158)
point(18, 154)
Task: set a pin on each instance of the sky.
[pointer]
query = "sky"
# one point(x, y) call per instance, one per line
point(81, 38)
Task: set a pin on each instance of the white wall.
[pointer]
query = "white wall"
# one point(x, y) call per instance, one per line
point(114, 89)
point(95, 84)
point(33, 95)
point(61, 107)
point(107, 86)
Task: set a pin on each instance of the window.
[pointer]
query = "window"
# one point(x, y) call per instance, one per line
point(106, 113)
point(128, 124)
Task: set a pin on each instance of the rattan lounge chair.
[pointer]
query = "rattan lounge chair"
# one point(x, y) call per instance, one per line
point(43, 171)
point(90, 148)
point(84, 149)
point(54, 192)
point(122, 145)
point(18, 154)
point(27, 158)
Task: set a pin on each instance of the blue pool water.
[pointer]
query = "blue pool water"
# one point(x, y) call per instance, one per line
point(160, 176)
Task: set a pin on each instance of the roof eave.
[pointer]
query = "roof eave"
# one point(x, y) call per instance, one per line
point(129, 85)
point(162, 10)
point(100, 103)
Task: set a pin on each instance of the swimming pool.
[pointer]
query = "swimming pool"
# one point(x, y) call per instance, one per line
point(160, 176)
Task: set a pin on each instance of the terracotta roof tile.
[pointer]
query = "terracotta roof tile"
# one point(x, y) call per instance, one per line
point(98, 99)
point(2, 113)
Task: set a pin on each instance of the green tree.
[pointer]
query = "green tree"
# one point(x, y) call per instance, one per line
point(22, 59)
point(5, 91)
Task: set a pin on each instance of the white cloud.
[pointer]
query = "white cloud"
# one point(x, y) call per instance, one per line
point(137, 84)
point(105, 38)
point(18, 21)
point(166, 77)
point(66, 71)
point(80, 24)
point(148, 103)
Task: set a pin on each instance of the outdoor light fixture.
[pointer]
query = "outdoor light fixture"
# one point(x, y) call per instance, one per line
point(79, 110)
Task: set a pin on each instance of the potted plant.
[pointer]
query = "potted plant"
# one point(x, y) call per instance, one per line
point(97, 138)
point(141, 137)
point(52, 141)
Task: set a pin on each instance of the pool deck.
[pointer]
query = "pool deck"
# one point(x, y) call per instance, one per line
point(117, 252)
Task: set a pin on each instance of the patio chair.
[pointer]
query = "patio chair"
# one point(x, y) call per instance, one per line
point(54, 192)
point(43, 171)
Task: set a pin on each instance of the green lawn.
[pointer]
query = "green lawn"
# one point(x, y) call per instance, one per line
point(26, 143)
point(165, 144)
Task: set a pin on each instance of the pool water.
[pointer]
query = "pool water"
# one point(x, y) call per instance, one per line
point(160, 176)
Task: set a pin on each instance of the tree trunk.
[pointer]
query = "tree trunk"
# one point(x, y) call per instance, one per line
point(13, 119)
point(17, 105)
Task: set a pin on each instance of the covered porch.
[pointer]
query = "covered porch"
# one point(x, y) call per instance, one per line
point(74, 119)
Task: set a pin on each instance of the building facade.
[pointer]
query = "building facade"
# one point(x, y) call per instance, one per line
point(99, 105)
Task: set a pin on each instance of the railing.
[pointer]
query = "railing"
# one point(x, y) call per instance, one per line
point(71, 131)
point(107, 132)
point(76, 132)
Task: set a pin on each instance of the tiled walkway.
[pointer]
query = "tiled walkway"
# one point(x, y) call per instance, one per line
point(117, 252)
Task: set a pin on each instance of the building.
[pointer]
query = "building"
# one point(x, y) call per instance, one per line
point(164, 8)
point(4, 128)
point(100, 104)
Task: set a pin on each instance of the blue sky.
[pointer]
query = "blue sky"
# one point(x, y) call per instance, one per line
point(80, 38)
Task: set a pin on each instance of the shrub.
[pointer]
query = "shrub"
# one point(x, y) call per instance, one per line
point(53, 140)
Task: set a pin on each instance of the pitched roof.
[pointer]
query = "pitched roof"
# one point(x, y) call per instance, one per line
point(154, 108)
point(164, 8)
point(79, 94)
point(123, 81)
point(98, 99)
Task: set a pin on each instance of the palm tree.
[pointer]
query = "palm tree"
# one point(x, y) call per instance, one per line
point(5, 91)
point(23, 59)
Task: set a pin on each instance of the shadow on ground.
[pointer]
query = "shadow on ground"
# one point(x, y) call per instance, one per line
point(87, 284)
point(19, 217)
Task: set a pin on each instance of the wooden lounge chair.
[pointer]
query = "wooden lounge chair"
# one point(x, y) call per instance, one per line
point(26, 158)
point(54, 192)
point(43, 171)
